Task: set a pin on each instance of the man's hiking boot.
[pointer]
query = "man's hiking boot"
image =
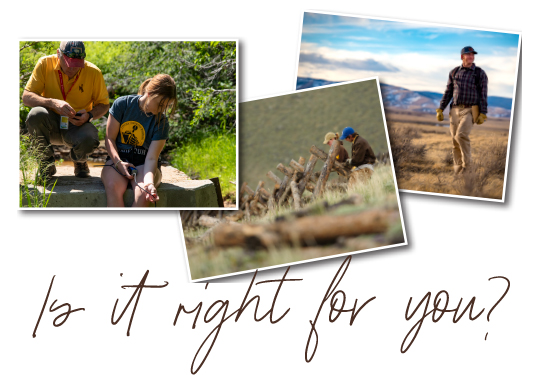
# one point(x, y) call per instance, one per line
point(457, 169)
point(47, 170)
point(81, 169)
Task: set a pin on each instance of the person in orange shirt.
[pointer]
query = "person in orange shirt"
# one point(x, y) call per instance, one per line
point(66, 92)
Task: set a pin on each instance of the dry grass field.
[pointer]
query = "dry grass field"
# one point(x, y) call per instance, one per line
point(422, 155)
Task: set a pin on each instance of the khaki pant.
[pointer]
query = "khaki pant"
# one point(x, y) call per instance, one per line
point(358, 176)
point(461, 123)
point(44, 123)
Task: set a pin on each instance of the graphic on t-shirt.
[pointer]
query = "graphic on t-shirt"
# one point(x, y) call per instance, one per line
point(132, 133)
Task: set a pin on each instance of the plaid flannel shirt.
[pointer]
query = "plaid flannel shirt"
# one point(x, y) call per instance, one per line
point(463, 89)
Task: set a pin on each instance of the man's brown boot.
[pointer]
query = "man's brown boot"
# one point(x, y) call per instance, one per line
point(81, 169)
point(457, 169)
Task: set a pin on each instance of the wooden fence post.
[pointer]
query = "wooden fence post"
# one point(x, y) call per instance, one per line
point(285, 181)
point(307, 173)
point(271, 201)
point(273, 177)
point(296, 196)
point(325, 171)
point(255, 200)
point(292, 177)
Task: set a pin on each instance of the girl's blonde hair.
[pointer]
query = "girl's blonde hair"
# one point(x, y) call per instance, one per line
point(161, 85)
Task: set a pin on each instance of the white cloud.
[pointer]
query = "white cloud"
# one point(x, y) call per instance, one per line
point(415, 71)
point(360, 38)
point(329, 23)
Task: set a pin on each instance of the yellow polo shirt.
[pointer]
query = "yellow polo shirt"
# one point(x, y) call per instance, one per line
point(88, 91)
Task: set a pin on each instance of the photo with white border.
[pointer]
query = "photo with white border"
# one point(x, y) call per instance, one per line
point(421, 71)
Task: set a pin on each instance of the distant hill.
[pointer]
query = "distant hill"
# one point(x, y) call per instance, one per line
point(493, 101)
point(276, 130)
point(395, 97)
point(306, 83)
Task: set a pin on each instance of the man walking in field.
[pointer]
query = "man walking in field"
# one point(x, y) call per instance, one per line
point(466, 92)
point(66, 92)
point(362, 156)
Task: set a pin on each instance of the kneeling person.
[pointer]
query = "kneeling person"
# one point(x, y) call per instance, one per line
point(362, 157)
point(342, 154)
point(137, 130)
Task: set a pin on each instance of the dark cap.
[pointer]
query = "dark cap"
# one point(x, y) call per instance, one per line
point(74, 53)
point(468, 49)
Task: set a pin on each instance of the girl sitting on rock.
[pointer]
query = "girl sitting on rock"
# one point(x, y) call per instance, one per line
point(137, 130)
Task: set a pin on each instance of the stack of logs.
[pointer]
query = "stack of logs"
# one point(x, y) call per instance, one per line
point(297, 178)
point(305, 228)
point(300, 228)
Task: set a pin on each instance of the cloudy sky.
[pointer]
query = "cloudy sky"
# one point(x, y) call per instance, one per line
point(411, 55)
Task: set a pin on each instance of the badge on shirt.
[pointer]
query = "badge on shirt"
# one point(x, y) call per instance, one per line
point(64, 122)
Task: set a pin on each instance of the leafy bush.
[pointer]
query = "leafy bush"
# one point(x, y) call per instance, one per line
point(29, 54)
point(205, 76)
point(214, 156)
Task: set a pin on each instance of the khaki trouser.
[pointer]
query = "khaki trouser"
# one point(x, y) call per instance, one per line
point(358, 176)
point(461, 123)
point(45, 125)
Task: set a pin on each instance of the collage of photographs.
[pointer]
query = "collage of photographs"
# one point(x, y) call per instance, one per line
point(300, 187)
point(375, 111)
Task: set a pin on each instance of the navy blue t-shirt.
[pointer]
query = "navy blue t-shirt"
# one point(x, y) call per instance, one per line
point(136, 127)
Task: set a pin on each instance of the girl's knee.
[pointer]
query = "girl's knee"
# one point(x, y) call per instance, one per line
point(114, 185)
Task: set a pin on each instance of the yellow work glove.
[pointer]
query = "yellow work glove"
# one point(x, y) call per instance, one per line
point(481, 118)
point(440, 115)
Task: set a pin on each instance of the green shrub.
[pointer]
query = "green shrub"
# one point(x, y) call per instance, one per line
point(213, 156)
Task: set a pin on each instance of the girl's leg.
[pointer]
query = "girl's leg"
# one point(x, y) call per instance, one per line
point(115, 185)
point(140, 195)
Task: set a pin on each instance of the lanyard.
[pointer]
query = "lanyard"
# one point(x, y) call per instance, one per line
point(62, 83)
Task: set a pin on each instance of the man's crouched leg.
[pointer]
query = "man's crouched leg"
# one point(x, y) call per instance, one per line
point(83, 140)
point(39, 123)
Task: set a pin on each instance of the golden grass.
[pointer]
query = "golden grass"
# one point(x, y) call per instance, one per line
point(424, 160)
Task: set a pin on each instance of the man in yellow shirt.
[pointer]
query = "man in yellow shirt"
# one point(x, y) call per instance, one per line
point(66, 92)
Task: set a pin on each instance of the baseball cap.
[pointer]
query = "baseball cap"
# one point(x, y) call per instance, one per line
point(346, 132)
point(74, 53)
point(468, 49)
point(328, 137)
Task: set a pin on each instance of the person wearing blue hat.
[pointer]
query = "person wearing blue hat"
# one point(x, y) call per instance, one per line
point(362, 157)
point(466, 93)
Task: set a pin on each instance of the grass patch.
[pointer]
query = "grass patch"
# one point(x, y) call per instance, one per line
point(214, 156)
point(424, 162)
point(30, 162)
